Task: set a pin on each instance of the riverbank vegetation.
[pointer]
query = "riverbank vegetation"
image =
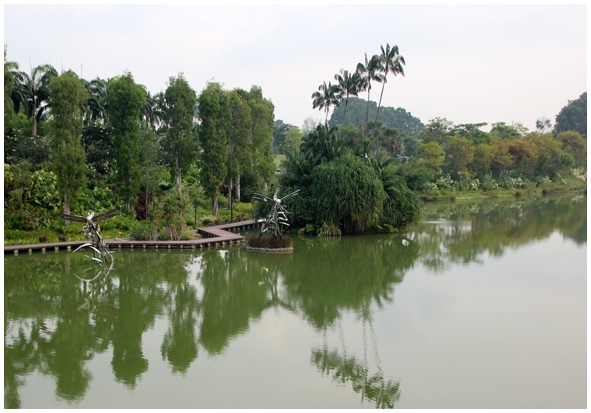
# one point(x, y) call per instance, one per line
point(179, 159)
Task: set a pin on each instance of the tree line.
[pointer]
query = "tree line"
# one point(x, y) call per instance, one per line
point(86, 137)
point(140, 150)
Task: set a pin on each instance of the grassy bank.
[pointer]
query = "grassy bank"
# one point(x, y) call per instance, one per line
point(572, 184)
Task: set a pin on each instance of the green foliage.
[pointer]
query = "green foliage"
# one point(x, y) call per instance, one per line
point(97, 141)
point(31, 93)
point(125, 98)
point(348, 191)
point(432, 154)
point(43, 192)
point(21, 145)
point(329, 229)
point(98, 198)
point(390, 117)
point(574, 144)
point(167, 212)
point(401, 210)
point(573, 117)
point(180, 142)
point(261, 152)
point(459, 154)
point(119, 223)
point(415, 174)
point(141, 232)
point(293, 140)
point(214, 115)
point(68, 96)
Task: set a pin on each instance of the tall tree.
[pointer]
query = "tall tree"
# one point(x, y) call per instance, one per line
point(348, 84)
point(9, 68)
point(368, 72)
point(96, 107)
point(152, 111)
point(391, 61)
point(214, 115)
point(261, 134)
point(125, 98)
point(325, 97)
point(180, 140)
point(68, 97)
point(573, 117)
point(32, 92)
point(573, 143)
point(238, 133)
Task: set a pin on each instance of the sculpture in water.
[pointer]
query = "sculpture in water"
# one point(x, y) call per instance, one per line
point(277, 217)
point(101, 254)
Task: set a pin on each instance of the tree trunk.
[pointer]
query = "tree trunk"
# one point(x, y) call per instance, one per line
point(238, 189)
point(214, 206)
point(230, 183)
point(178, 174)
point(265, 188)
point(378, 111)
point(34, 126)
point(66, 209)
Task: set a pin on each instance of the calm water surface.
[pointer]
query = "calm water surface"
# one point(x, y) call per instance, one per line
point(481, 305)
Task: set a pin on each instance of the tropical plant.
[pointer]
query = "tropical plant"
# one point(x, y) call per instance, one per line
point(180, 142)
point(325, 97)
point(349, 192)
point(31, 92)
point(96, 106)
point(391, 61)
point(125, 98)
point(69, 163)
point(368, 72)
point(348, 85)
point(152, 112)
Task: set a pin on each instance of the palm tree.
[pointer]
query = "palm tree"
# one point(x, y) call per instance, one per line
point(348, 85)
point(368, 72)
point(32, 92)
point(151, 112)
point(325, 97)
point(96, 107)
point(391, 61)
point(9, 69)
point(384, 167)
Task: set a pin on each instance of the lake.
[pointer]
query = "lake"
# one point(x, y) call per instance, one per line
point(480, 305)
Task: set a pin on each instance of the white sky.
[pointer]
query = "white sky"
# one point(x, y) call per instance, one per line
point(467, 63)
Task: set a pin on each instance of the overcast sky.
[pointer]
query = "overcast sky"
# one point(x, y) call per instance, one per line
point(466, 63)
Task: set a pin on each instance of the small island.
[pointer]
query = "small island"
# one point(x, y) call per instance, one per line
point(274, 222)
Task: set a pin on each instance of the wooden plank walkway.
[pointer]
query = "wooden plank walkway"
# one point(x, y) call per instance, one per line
point(214, 236)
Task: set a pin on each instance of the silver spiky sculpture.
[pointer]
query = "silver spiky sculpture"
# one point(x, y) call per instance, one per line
point(277, 217)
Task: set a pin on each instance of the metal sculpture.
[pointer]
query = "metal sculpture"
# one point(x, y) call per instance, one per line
point(277, 217)
point(92, 232)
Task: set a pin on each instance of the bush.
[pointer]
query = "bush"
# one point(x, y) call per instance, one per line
point(163, 237)
point(329, 229)
point(140, 233)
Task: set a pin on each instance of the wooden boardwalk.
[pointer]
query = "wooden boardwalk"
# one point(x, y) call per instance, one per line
point(214, 236)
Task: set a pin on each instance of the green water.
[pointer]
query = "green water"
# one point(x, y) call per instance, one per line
point(478, 306)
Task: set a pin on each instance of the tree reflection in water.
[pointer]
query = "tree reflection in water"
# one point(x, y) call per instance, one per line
point(55, 324)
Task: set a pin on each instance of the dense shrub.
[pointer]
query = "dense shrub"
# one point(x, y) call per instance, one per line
point(141, 233)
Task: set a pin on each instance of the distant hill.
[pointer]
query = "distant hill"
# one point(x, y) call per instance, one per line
point(392, 118)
